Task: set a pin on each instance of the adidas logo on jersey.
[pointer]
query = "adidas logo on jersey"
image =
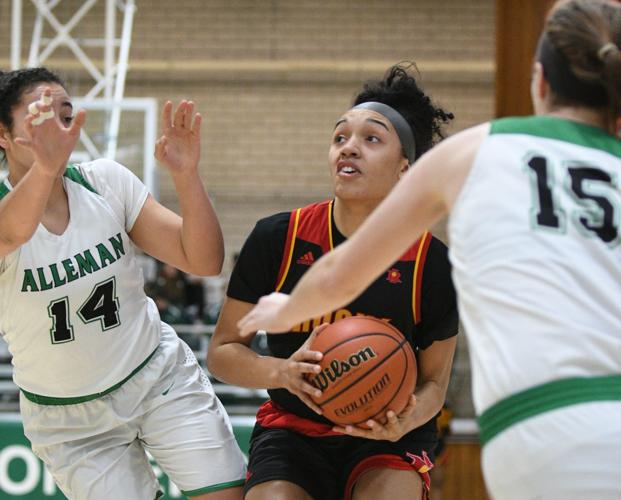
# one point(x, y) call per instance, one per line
point(307, 259)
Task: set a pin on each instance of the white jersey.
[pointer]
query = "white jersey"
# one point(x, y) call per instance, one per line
point(536, 251)
point(72, 306)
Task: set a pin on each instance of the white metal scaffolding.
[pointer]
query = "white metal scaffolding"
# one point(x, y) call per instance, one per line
point(107, 91)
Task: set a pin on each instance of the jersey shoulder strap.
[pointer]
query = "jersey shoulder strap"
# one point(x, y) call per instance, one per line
point(419, 252)
point(311, 223)
point(72, 172)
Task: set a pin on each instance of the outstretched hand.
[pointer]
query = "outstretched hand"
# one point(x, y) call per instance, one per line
point(50, 142)
point(395, 428)
point(179, 146)
point(266, 315)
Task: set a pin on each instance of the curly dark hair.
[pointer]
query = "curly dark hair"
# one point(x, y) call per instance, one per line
point(400, 90)
point(13, 85)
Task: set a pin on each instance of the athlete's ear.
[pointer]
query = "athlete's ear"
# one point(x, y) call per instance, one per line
point(539, 87)
point(4, 137)
point(404, 168)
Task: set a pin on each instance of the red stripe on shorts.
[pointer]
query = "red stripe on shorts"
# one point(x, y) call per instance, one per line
point(272, 416)
point(422, 465)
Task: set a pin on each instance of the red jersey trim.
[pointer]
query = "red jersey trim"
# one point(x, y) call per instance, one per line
point(312, 223)
point(288, 253)
point(272, 416)
point(419, 265)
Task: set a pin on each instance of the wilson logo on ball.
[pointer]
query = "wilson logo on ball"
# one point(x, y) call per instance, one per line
point(337, 368)
point(368, 367)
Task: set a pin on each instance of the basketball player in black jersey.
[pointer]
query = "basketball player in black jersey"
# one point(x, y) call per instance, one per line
point(295, 452)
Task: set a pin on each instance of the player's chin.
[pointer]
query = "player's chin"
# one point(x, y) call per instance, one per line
point(351, 191)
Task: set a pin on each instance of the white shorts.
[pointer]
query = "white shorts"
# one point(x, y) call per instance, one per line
point(572, 453)
point(96, 450)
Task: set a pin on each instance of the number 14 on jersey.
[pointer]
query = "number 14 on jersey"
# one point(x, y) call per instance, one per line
point(102, 304)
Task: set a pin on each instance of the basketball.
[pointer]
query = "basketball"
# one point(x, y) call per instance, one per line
point(368, 367)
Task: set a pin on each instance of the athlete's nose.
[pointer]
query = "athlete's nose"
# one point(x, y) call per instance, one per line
point(350, 149)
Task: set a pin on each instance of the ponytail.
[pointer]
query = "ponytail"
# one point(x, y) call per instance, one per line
point(587, 36)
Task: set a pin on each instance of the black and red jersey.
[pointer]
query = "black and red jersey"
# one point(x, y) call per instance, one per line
point(415, 294)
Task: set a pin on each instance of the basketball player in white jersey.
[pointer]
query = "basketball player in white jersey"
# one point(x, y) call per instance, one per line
point(534, 227)
point(102, 379)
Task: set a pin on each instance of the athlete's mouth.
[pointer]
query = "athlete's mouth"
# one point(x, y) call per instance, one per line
point(347, 168)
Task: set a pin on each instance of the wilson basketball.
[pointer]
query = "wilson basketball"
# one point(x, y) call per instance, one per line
point(368, 367)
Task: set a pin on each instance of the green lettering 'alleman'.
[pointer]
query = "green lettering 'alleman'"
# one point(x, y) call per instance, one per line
point(67, 270)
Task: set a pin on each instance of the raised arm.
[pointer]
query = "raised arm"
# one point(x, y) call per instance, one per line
point(49, 142)
point(193, 241)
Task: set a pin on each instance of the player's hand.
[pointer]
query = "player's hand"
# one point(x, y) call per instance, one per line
point(266, 315)
point(179, 146)
point(50, 141)
point(395, 428)
point(301, 363)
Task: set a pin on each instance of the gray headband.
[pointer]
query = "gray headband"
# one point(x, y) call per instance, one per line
point(402, 127)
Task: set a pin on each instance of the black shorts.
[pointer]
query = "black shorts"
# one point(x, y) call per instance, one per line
point(327, 467)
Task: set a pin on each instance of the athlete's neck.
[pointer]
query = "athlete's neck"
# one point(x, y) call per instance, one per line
point(56, 215)
point(349, 216)
point(584, 115)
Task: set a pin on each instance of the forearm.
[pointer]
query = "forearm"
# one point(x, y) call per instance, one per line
point(22, 209)
point(239, 365)
point(200, 234)
point(429, 400)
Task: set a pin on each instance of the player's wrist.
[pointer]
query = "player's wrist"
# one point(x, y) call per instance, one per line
point(45, 172)
point(276, 376)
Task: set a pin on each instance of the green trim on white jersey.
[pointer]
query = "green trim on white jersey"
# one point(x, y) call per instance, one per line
point(46, 400)
point(76, 300)
point(550, 127)
point(546, 397)
point(73, 173)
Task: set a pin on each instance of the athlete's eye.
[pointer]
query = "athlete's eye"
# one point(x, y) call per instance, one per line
point(373, 138)
point(340, 138)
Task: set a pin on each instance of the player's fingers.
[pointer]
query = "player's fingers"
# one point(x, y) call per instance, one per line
point(23, 142)
point(160, 146)
point(166, 115)
point(352, 430)
point(78, 121)
point(33, 108)
point(179, 117)
point(306, 355)
point(316, 331)
point(411, 406)
point(309, 389)
point(188, 115)
point(46, 96)
point(372, 424)
point(391, 418)
point(196, 126)
point(28, 126)
point(307, 368)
